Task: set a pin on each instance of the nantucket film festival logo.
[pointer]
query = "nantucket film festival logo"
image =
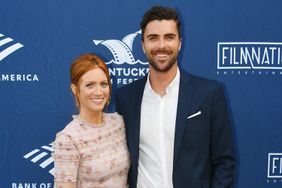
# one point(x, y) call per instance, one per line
point(274, 168)
point(7, 48)
point(254, 58)
point(124, 68)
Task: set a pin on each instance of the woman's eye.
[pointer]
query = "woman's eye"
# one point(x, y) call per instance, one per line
point(90, 85)
point(104, 84)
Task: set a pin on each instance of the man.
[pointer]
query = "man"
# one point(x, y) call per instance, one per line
point(177, 125)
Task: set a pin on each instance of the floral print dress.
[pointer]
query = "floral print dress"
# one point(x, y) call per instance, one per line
point(92, 155)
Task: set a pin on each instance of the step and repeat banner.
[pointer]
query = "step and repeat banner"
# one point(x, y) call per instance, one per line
point(238, 43)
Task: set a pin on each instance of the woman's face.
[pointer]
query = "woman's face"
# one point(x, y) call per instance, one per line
point(93, 91)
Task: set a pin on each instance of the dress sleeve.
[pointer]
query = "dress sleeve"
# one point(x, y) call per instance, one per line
point(66, 159)
point(119, 117)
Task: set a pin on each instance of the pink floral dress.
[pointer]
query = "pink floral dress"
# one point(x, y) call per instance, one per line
point(92, 155)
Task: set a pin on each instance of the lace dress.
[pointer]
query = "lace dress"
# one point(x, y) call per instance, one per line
point(92, 155)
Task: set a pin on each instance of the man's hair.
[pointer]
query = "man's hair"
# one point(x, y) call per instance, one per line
point(159, 13)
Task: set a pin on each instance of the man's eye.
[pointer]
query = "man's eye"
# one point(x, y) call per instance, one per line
point(170, 37)
point(152, 38)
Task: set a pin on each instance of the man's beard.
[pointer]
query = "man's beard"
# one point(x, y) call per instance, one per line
point(156, 66)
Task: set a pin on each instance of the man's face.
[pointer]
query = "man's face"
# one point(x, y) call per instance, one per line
point(161, 44)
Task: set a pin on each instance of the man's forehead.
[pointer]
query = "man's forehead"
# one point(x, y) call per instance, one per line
point(161, 27)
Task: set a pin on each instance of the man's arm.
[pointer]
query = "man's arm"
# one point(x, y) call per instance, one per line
point(222, 148)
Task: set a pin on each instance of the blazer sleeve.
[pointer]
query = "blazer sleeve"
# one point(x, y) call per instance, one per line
point(222, 148)
point(118, 102)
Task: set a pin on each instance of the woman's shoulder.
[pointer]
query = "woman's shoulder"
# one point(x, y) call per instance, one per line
point(70, 129)
point(114, 117)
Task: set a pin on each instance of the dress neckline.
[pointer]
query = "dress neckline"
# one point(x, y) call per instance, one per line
point(84, 122)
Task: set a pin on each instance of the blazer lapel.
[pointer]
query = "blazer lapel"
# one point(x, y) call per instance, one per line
point(135, 121)
point(185, 96)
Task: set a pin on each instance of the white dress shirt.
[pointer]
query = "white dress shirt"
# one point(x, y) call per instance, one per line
point(158, 117)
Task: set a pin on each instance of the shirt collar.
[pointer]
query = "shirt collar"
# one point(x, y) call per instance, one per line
point(172, 86)
point(175, 83)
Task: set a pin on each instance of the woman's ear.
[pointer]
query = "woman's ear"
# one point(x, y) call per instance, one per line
point(74, 89)
point(75, 92)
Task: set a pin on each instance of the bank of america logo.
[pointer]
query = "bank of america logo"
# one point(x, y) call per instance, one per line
point(249, 55)
point(121, 49)
point(7, 46)
point(42, 157)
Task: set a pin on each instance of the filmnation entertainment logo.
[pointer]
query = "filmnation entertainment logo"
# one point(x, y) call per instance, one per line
point(249, 58)
point(274, 168)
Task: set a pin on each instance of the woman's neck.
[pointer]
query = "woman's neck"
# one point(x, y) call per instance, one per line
point(92, 117)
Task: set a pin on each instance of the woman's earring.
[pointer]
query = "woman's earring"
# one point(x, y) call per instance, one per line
point(109, 100)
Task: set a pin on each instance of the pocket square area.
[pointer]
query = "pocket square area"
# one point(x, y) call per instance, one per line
point(193, 115)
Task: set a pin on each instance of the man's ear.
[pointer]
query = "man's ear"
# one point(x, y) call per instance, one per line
point(143, 47)
point(180, 43)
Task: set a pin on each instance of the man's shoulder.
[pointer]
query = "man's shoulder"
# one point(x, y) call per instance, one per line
point(133, 85)
point(201, 87)
point(204, 80)
point(127, 94)
point(199, 81)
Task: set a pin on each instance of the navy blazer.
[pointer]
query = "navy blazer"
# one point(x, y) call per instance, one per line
point(203, 145)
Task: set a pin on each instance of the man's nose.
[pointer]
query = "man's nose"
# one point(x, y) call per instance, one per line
point(161, 43)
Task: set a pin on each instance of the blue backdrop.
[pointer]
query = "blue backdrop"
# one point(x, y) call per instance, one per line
point(237, 42)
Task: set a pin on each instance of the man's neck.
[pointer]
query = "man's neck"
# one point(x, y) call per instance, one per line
point(160, 80)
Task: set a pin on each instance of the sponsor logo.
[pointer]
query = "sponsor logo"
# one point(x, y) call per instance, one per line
point(274, 168)
point(18, 77)
point(124, 66)
point(8, 47)
point(32, 185)
point(249, 58)
point(42, 157)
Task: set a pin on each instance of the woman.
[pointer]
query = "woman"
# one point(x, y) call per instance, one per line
point(91, 151)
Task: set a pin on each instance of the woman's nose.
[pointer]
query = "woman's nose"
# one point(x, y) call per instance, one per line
point(98, 89)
